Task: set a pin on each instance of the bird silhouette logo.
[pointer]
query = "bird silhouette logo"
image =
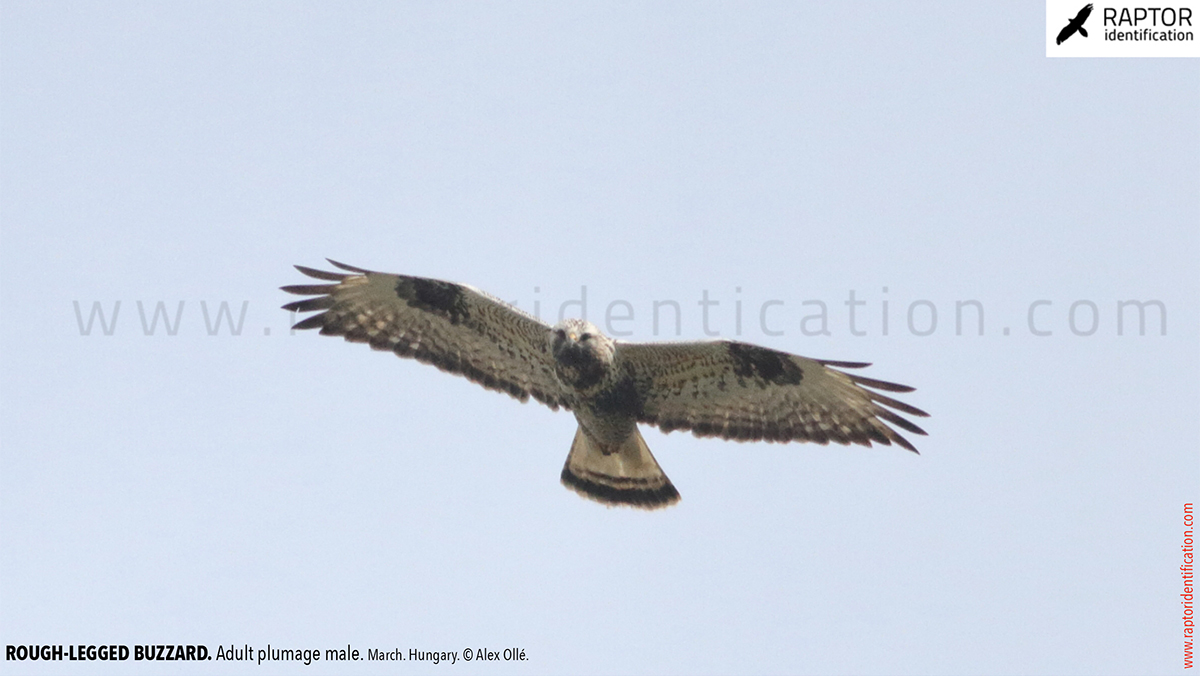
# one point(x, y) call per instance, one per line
point(1075, 24)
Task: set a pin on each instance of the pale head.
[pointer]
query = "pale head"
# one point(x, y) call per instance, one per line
point(582, 355)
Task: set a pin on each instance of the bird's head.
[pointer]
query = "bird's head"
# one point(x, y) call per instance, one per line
point(582, 355)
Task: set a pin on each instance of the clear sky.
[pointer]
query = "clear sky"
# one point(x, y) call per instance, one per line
point(172, 486)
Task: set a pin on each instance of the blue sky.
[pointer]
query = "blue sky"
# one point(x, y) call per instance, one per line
point(269, 487)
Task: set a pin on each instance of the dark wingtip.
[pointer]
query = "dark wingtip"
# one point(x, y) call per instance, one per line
point(310, 304)
point(309, 289)
point(350, 268)
point(844, 364)
point(896, 420)
point(898, 405)
point(313, 322)
point(321, 274)
point(904, 443)
point(880, 384)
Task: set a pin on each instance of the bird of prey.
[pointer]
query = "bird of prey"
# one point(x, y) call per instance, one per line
point(1075, 24)
point(721, 388)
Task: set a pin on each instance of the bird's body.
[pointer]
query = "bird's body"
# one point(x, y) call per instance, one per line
point(723, 389)
point(609, 459)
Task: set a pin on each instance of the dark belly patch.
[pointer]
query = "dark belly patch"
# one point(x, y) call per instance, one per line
point(622, 398)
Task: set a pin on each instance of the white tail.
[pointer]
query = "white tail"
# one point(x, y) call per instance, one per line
point(626, 474)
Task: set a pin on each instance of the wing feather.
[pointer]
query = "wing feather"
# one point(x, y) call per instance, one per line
point(455, 327)
point(744, 392)
point(322, 274)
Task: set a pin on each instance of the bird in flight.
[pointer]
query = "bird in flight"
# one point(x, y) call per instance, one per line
point(722, 388)
point(1075, 24)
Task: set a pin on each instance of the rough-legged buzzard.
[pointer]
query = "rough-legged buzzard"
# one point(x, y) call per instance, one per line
point(719, 388)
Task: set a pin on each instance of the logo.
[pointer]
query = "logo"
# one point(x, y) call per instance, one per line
point(1122, 28)
point(1075, 24)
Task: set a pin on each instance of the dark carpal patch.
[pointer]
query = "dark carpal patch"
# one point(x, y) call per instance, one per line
point(431, 295)
point(774, 367)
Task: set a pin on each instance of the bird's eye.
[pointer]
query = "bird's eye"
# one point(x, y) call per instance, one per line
point(560, 334)
point(586, 336)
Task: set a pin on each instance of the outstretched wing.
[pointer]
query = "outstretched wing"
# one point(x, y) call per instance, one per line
point(745, 392)
point(455, 327)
